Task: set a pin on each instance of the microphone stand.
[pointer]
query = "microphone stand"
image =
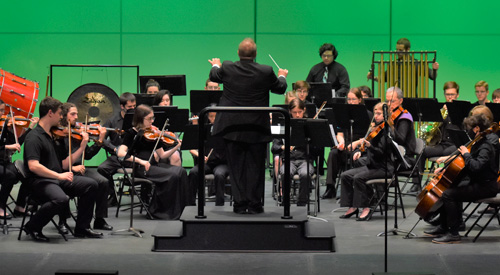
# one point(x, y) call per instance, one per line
point(135, 231)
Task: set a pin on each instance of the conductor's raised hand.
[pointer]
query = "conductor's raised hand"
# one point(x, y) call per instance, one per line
point(215, 61)
point(283, 72)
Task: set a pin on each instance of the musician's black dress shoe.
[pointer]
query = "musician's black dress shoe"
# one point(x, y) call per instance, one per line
point(437, 231)
point(36, 236)
point(87, 233)
point(347, 216)
point(62, 228)
point(329, 192)
point(101, 224)
point(365, 218)
point(449, 238)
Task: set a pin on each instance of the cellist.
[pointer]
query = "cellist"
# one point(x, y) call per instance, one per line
point(481, 168)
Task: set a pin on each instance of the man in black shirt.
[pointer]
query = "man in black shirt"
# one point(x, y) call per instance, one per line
point(51, 187)
point(330, 71)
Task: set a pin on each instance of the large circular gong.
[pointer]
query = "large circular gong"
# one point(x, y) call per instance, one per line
point(97, 100)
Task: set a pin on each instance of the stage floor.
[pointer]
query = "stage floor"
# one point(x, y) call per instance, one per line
point(358, 250)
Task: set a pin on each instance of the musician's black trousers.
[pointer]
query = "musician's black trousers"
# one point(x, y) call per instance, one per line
point(451, 212)
point(53, 196)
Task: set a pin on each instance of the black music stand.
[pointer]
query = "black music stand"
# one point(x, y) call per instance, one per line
point(495, 109)
point(320, 92)
point(200, 99)
point(350, 117)
point(177, 118)
point(316, 133)
point(131, 152)
point(175, 84)
point(146, 99)
point(336, 100)
point(458, 110)
point(371, 102)
point(423, 109)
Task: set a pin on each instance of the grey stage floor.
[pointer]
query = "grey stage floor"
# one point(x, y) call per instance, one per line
point(359, 251)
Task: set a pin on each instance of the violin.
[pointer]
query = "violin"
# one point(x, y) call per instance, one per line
point(61, 132)
point(153, 134)
point(373, 133)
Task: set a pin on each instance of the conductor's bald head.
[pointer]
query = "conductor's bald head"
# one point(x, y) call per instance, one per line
point(247, 49)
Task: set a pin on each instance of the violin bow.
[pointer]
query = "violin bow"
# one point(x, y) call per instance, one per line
point(69, 147)
point(85, 130)
point(157, 141)
point(13, 125)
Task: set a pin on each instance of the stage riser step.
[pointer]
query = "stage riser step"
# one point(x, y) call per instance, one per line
point(243, 237)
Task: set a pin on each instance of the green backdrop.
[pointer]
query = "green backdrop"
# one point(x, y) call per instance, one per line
point(178, 37)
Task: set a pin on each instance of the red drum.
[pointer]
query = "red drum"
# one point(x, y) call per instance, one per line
point(19, 93)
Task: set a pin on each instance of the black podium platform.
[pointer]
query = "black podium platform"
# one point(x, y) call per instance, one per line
point(224, 231)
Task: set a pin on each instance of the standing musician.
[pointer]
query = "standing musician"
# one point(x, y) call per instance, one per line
point(8, 172)
point(113, 141)
point(80, 148)
point(50, 185)
point(215, 163)
point(481, 167)
point(246, 83)
point(330, 71)
point(403, 45)
point(337, 157)
point(298, 156)
point(355, 193)
point(445, 145)
point(170, 182)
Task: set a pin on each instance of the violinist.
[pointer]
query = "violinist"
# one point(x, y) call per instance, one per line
point(164, 98)
point(215, 163)
point(298, 156)
point(113, 140)
point(481, 168)
point(337, 157)
point(8, 172)
point(355, 193)
point(51, 186)
point(404, 132)
point(170, 192)
point(79, 148)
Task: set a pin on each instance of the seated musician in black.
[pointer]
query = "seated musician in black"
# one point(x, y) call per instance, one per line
point(355, 193)
point(8, 171)
point(404, 132)
point(80, 147)
point(215, 163)
point(112, 141)
point(170, 182)
point(338, 158)
point(298, 155)
point(51, 187)
point(481, 168)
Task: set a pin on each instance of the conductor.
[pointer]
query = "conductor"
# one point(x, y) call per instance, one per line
point(246, 83)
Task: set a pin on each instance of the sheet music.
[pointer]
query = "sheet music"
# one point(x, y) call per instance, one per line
point(277, 130)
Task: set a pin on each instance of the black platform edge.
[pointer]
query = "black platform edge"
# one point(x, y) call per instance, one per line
point(224, 231)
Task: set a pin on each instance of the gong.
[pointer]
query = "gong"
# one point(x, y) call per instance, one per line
point(98, 101)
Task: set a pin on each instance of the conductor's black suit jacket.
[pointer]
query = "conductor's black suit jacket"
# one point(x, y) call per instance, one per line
point(246, 84)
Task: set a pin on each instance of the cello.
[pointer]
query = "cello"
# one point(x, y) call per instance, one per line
point(429, 199)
